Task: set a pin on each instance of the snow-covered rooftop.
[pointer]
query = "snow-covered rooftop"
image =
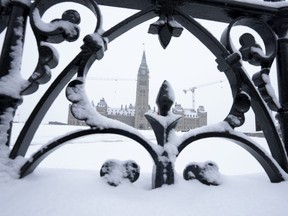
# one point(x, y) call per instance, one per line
point(121, 111)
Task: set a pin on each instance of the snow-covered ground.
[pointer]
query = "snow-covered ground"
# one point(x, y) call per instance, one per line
point(68, 181)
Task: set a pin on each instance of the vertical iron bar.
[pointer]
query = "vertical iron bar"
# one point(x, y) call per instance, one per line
point(10, 61)
point(281, 28)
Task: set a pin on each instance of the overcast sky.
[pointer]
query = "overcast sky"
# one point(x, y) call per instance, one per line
point(184, 63)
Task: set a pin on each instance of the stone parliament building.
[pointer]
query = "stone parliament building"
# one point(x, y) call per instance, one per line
point(134, 115)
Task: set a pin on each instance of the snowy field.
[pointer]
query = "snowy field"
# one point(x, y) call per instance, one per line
point(68, 181)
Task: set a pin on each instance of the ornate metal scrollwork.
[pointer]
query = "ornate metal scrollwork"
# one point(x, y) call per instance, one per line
point(58, 34)
point(166, 27)
point(172, 20)
point(252, 52)
point(58, 30)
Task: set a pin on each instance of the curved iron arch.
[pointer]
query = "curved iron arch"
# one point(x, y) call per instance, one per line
point(229, 63)
point(81, 60)
point(270, 167)
point(42, 153)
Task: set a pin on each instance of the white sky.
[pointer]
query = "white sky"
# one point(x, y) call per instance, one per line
point(184, 63)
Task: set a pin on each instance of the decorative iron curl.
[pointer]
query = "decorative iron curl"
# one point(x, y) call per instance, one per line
point(253, 53)
point(58, 30)
point(241, 105)
point(82, 109)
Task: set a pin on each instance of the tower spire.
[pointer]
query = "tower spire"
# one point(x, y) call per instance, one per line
point(143, 69)
point(142, 94)
point(143, 60)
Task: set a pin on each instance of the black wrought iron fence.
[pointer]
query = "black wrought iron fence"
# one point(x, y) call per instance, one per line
point(269, 20)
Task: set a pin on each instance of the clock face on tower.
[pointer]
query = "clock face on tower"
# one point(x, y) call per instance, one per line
point(143, 72)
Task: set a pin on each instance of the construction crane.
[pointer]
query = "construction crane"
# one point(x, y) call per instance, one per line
point(110, 79)
point(192, 89)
